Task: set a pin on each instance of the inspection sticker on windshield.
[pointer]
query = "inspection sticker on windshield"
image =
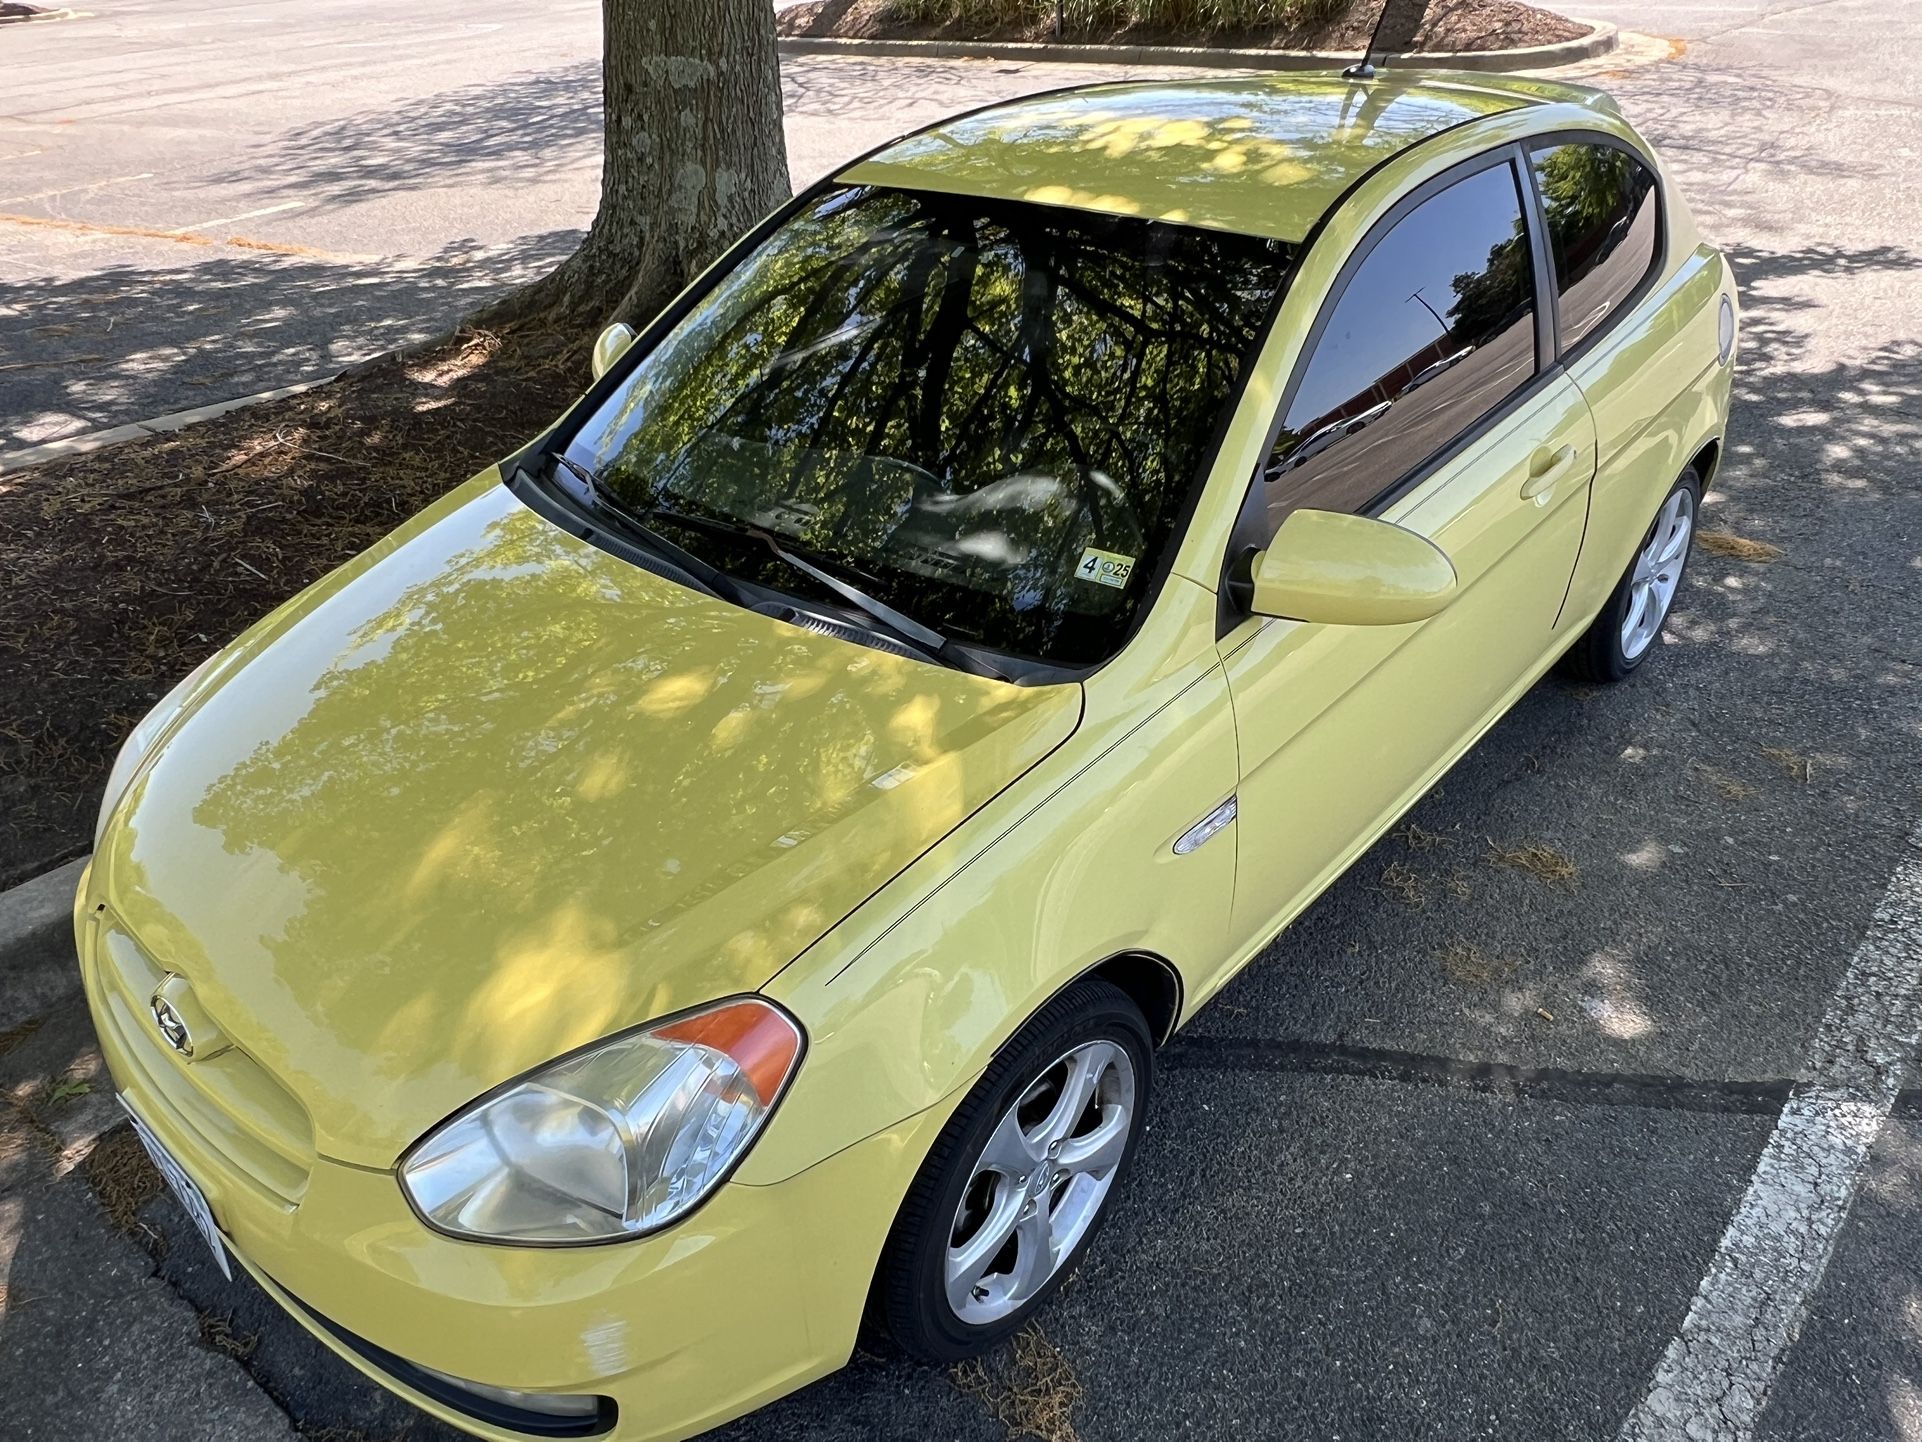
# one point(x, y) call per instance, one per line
point(1105, 568)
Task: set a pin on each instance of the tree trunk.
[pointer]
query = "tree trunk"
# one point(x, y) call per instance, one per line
point(1396, 29)
point(694, 156)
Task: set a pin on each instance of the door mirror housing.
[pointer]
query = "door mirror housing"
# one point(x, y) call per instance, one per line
point(610, 346)
point(1341, 570)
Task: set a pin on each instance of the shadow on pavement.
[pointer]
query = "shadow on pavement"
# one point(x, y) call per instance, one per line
point(483, 134)
point(853, 89)
point(129, 343)
point(476, 134)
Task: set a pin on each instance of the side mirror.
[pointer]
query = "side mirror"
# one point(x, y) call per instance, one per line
point(611, 345)
point(1343, 570)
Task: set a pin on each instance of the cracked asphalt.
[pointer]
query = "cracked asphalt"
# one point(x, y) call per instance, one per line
point(1455, 1157)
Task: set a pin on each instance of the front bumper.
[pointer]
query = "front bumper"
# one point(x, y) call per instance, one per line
point(757, 1293)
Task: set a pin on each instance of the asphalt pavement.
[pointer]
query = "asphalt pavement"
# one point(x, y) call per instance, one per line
point(1469, 1152)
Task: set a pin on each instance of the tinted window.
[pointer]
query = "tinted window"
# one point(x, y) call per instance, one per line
point(1433, 331)
point(1603, 219)
point(988, 413)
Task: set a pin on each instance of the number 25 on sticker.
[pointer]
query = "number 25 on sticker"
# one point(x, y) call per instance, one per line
point(1104, 568)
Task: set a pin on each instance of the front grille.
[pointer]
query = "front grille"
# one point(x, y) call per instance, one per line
point(232, 1104)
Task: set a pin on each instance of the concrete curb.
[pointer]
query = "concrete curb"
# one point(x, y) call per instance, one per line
point(37, 968)
point(1599, 41)
point(20, 460)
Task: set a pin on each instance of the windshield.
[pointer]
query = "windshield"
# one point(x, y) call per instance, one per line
point(988, 413)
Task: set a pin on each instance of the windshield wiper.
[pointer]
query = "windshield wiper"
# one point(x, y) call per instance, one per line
point(871, 606)
point(717, 582)
point(705, 575)
point(903, 626)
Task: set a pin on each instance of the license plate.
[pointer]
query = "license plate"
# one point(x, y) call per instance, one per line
point(185, 1191)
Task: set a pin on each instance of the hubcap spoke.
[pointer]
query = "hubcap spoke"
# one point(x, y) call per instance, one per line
point(1673, 545)
point(1034, 1255)
point(969, 1262)
point(1100, 1149)
point(1009, 1150)
point(1637, 609)
point(1084, 1072)
point(1675, 529)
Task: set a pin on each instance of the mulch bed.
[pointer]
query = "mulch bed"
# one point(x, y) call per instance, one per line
point(123, 569)
point(1449, 25)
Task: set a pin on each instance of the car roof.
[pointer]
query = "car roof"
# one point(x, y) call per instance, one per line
point(1264, 155)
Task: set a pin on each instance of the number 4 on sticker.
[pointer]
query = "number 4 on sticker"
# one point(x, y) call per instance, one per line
point(1104, 568)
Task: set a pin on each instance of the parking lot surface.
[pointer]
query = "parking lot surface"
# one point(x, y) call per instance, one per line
point(1576, 1147)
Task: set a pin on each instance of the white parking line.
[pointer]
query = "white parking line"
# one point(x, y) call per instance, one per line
point(244, 215)
point(1714, 1379)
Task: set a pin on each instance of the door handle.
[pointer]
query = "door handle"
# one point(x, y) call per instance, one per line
point(1545, 471)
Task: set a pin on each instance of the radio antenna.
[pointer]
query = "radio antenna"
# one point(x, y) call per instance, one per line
point(1364, 69)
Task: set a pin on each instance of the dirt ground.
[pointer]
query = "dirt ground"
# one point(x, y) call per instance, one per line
point(1449, 25)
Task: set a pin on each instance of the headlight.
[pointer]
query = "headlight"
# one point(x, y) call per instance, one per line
point(615, 1141)
point(139, 742)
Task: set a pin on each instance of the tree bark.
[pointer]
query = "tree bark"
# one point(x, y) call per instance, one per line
point(694, 156)
point(1399, 22)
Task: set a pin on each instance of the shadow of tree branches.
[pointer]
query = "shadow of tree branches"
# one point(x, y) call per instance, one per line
point(547, 119)
point(469, 135)
point(124, 344)
point(1823, 453)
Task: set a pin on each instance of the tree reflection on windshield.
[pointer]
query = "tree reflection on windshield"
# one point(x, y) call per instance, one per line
point(958, 398)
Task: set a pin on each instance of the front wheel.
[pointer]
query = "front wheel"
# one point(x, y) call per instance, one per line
point(1019, 1180)
point(1622, 637)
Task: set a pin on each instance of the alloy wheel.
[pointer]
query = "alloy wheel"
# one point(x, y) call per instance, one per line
point(1657, 573)
point(1040, 1181)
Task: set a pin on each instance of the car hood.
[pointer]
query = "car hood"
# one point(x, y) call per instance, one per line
point(488, 794)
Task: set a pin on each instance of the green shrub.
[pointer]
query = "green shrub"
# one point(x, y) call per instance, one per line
point(1086, 15)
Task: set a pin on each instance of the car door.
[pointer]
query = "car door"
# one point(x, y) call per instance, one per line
point(1424, 398)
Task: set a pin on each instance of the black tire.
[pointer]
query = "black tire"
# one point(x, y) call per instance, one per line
point(910, 1298)
point(1598, 655)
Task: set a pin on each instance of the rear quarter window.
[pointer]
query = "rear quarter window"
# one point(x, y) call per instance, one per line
point(1604, 230)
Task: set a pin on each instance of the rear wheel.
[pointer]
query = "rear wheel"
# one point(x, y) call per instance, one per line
point(1020, 1179)
point(1624, 635)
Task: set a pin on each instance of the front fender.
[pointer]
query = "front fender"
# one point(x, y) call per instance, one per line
point(907, 1000)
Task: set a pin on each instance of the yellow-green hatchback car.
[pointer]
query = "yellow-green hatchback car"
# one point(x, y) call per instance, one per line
point(723, 875)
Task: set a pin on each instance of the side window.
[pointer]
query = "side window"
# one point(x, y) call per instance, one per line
point(1603, 223)
point(1434, 330)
